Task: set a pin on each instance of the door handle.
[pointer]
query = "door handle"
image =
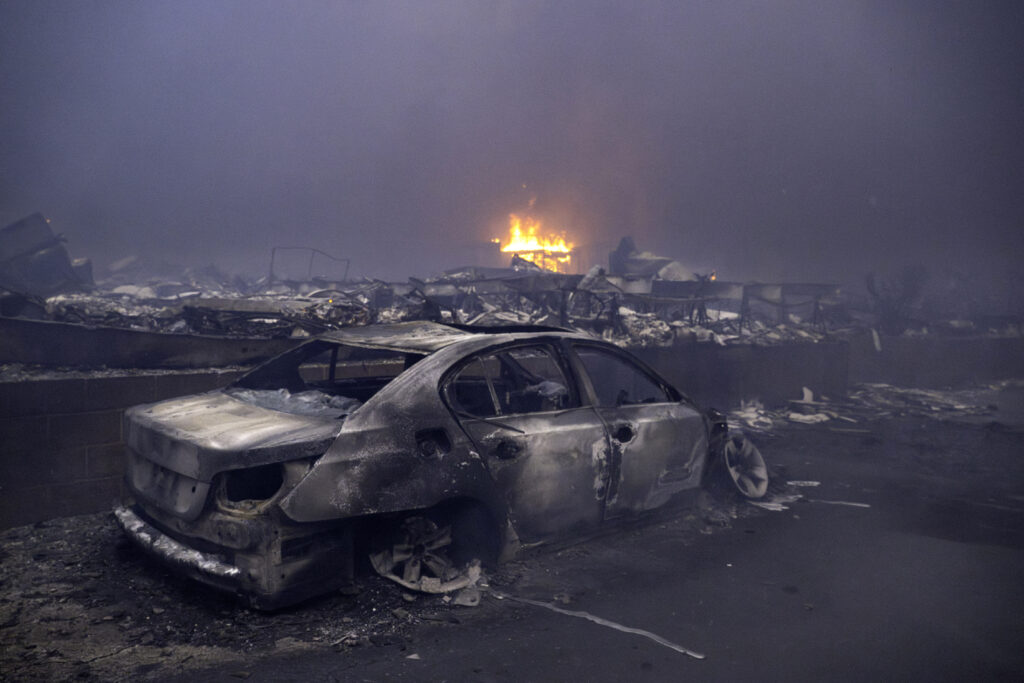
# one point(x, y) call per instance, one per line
point(623, 433)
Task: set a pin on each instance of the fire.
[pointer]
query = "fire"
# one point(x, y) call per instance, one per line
point(526, 240)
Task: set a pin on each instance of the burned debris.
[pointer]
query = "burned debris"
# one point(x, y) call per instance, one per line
point(638, 300)
point(870, 402)
point(34, 264)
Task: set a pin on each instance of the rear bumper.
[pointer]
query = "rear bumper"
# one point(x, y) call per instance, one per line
point(314, 563)
point(208, 566)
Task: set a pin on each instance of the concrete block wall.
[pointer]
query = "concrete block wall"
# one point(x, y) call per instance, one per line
point(721, 377)
point(61, 449)
point(935, 361)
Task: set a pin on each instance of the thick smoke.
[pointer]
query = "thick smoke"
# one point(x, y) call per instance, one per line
point(776, 141)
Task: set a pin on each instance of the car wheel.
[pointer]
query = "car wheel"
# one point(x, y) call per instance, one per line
point(437, 551)
point(420, 551)
point(745, 466)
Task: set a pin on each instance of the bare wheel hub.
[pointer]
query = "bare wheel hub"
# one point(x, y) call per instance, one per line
point(746, 466)
point(418, 559)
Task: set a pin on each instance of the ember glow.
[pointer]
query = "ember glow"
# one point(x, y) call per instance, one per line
point(526, 240)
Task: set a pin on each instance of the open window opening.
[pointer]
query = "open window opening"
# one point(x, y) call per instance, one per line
point(512, 381)
point(322, 379)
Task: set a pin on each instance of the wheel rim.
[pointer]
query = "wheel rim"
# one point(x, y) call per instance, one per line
point(746, 467)
point(420, 551)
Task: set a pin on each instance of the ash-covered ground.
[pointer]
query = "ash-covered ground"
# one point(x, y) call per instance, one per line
point(79, 602)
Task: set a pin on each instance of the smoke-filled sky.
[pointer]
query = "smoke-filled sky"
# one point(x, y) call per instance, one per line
point(783, 140)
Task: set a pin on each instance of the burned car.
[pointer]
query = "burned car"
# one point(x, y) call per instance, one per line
point(422, 446)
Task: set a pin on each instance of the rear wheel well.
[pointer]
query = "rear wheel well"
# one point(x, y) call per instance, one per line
point(476, 533)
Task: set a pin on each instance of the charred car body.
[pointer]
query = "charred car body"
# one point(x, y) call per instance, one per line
point(438, 443)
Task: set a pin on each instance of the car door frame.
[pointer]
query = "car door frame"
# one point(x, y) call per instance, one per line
point(555, 468)
point(646, 469)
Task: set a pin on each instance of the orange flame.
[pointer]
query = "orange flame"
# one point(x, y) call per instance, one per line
point(525, 240)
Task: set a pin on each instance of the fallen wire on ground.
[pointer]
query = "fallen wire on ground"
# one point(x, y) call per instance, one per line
point(603, 622)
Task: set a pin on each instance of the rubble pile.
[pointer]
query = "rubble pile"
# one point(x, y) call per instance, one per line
point(753, 416)
point(233, 307)
point(885, 400)
point(33, 258)
point(231, 313)
point(871, 402)
point(724, 329)
point(282, 310)
point(640, 300)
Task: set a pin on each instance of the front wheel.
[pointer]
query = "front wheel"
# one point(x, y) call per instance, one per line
point(745, 466)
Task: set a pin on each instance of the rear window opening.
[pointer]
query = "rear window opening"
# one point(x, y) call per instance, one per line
point(322, 378)
point(312, 402)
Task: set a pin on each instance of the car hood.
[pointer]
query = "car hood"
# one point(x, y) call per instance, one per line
point(199, 436)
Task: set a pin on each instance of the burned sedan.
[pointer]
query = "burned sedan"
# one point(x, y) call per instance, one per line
point(422, 446)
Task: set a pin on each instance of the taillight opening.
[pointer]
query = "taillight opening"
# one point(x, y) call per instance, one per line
point(254, 483)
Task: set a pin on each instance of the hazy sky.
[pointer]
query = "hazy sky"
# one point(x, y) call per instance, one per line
point(774, 140)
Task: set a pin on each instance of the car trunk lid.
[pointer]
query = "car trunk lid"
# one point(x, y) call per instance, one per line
point(177, 447)
point(199, 436)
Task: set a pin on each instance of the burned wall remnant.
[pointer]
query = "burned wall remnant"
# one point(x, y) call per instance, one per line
point(34, 262)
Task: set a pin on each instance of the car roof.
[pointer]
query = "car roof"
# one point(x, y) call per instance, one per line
point(424, 336)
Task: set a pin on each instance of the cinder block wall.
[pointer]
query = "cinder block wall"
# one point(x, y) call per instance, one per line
point(934, 361)
point(61, 451)
point(721, 377)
